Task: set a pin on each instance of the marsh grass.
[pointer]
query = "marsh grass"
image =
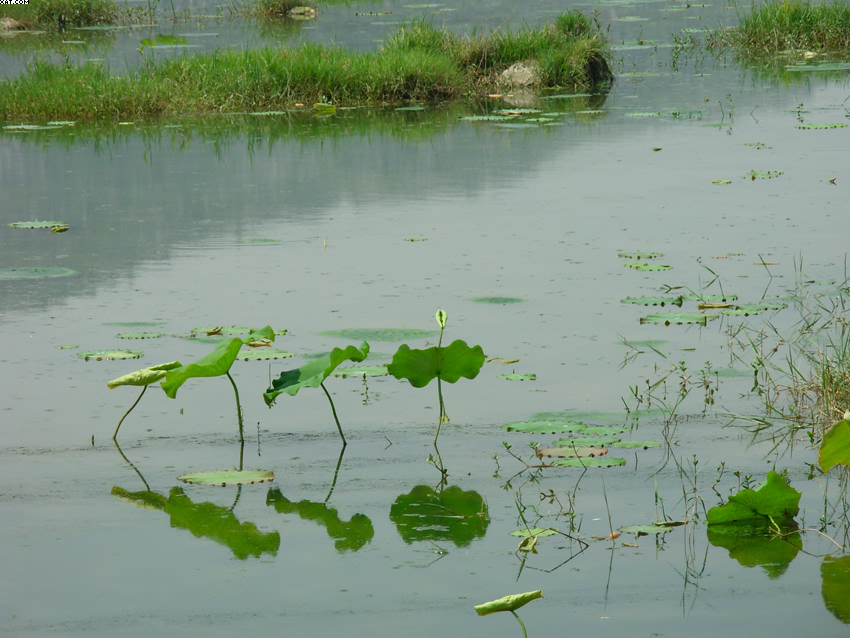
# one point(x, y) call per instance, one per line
point(275, 8)
point(778, 27)
point(59, 14)
point(418, 63)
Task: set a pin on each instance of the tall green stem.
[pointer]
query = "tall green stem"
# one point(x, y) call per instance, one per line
point(521, 624)
point(114, 436)
point(238, 409)
point(333, 409)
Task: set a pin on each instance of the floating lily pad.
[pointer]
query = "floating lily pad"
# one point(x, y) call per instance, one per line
point(819, 127)
point(678, 318)
point(599, 461)
point(39, 224)
point(745, 310)
point(774, 501)
point(753, 175)
point(485, 118)
point(230, 331)
point(381, 334)
point(498, 300)
point(415, 239)
point(814, 68)
point(586, 441)
point(360, 372)
point(646, 114)
point(266, 113)
point(546, 427)
point(654, 528)
point(109, 355)
point(140, 335)
point(653, 301)
point(709, 298)
point(263, 354)
point(514, 376)
point(642, 265)
point(572, 452)
point(721, 181)
point(227, 477)
point(645, 445)
point(534, 531)
point(35, 272)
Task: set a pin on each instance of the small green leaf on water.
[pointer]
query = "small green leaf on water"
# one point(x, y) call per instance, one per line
point(637, 444)
point(774, 501)
point(508, 603)
point(653, 301)
point(35, 272)
point(109, 355)
point(358, 372)
point(484, 118)
point(605, 430)
point(825, 66)
point(835, 447)
point(678, 318)
point(642, 265)
point(599, 461)
point(745, 310)
point(534, 531)
point(820, 127)
point(49, 225)
point(757, 145)
point(639, 255)
point(586, 441)
point(652, 114)
point(227, 477)
point(514, 376)
point(170, 39)
point(546, 427)
point(498, 300)
point(140, 335)
point(324, 109)
point(721, 181)
point(68, 347)
point(754, 175)
point(654, 528)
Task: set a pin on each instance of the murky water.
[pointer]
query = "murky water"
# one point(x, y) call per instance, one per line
point(303, 223)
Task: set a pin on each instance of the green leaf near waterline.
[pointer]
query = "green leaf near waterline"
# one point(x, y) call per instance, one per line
point(835, 447)
point(644, 445)
point(449, 364)
point(49, 225)
point(507, 603)
point(263, 354)
point(654, 528)
point(745, 310)
point(515, 376)
point(227, 477)
point(380, 334)
point(145, 376)
point(109, 355)
point(571, 452)
point(653, 301)
point(692, 296)
point(605, 430)
point(534, 531)
point(821, 127)
point(644, 266)
point(678, 318)
point(546, 427)
point(35, 272)
point(140, 335)
point(748, 544)
point(311, 375)
point(498, 300)
point(359, 372)
point(640, 255)
point(599, 461)
point(324, 109)
point(586, 441)
point(835, 586)
point(68, 347)
point(215, 364)
point(774, 501)
point(754, 175)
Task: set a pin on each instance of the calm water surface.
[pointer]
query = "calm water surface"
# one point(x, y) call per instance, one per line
point(302, 224)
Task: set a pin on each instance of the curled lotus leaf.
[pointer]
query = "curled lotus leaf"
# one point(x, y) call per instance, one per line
point(227, 477)
point(313, 374)
point(145, 376)
point(508, 603)
point(449, 364)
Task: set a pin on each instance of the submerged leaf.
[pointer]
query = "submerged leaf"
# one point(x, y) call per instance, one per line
point(508, 603)
point(450, 515)
point(835, 587)
point(774, 501)
point(311, 375)
point(420, 367)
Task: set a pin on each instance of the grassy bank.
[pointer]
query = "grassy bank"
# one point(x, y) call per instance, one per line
point(58, 14)
point(418, 63)
point(788, 26)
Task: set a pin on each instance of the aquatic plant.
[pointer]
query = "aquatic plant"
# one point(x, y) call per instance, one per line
point(448, 364)
point(143, 378)
point(835, 447)
point(509, 603)
point(774, 504)
point(313, 375)
point(59, 14)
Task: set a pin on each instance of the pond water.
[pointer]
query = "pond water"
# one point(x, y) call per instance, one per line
point(305, 223)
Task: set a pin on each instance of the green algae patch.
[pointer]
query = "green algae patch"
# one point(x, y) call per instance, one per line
point(419, 63)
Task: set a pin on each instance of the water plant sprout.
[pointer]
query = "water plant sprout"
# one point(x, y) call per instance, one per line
point(511, 604)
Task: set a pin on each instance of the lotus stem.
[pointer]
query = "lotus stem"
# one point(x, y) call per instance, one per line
point(336, 474)
point(125, 416)
point(333, 409)
point(129, 462)
point(521, 624)
point(238, 409)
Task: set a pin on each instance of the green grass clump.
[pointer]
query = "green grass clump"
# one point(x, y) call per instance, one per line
point(277, 8)
point(58, 14)
point(788, 26)
point(418, 63)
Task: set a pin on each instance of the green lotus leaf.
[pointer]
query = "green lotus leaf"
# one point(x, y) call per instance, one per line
point(640, 255)
point(636, 444)
point(534, 531)
point(498, 300)
point(597, 461)
point(692, 296)
point(835, 447)
point(835, 587)
point(748, 309)
point(774, 501)
point(140, 335)
point(748, 544)
point(230, 331)
point(145, 376)
point(450, 515)
point(311, 375)
point(380, 334)
point(360, 371)
point(546, 427)
point(35, 272)
point(109, 355)
point(508, 603)
point(227, 477)
point(605, 430)
point(678, 318)
point(420, 367)
point(216, 363)
point(820, 127)
point(644, 266)
point(263, 354)
point(39, 224)
point(349, 535)
point(514, 376)
point(586, 441)
point(653, 301)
